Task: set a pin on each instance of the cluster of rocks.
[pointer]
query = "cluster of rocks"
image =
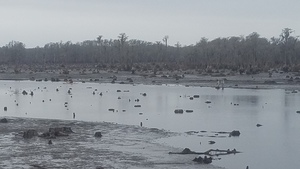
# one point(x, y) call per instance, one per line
point(205, 160)
point(52, 133)
point(210, 153)
point(57, 132)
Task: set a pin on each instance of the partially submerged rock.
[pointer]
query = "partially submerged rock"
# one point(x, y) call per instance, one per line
point(98, 134)
point(57, 132)
point(187, 151)
point(207, 101)
point(4, 120)
point(24, 92)
point(178, 111)
point(30, 133)
point(235, 133)
point(211, 142)
point(204, 160)
point(196, 96)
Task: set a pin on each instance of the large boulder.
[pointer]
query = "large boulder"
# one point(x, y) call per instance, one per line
point(30, 133)
point(4, 120)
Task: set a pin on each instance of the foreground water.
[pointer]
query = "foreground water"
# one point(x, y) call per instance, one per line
point(273, 145)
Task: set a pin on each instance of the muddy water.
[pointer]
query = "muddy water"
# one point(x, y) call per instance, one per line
point(273, 145)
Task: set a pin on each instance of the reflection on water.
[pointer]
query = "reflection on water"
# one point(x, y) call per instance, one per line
point(271, 146)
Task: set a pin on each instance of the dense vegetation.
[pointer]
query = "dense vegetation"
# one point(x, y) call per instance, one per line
point(249, 53)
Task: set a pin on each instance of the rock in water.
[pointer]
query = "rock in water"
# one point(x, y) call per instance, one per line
point(186, 151)
point(208, 101)
point(178, 111)
point(211, 142)
point(30, 133)
point(98, 134)
point(258, 125)
point(198, 159)
point(57, 132)
point(196, 96)
point(204, 160)
point(207, 160)
point(235, 133)
point(24, 92)
point(4, 120)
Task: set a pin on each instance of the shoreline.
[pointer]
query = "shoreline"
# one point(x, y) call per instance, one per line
point(287, 81)
point(121, 146)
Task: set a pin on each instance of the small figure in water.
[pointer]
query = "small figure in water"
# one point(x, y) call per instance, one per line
point(141, 124)
point(73, 115)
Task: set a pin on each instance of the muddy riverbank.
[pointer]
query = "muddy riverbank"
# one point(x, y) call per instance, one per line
point(121, 146)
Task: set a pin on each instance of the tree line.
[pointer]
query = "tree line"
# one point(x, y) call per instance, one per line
point(240, 52)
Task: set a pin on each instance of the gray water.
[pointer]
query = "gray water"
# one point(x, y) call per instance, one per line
point(273, 145)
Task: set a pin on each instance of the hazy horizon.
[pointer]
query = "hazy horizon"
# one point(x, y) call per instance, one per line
point(38, 22)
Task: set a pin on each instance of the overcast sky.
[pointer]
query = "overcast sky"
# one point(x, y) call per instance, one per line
point(37, 22)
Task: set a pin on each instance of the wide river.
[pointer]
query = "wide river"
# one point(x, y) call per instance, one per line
point(273, 145)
